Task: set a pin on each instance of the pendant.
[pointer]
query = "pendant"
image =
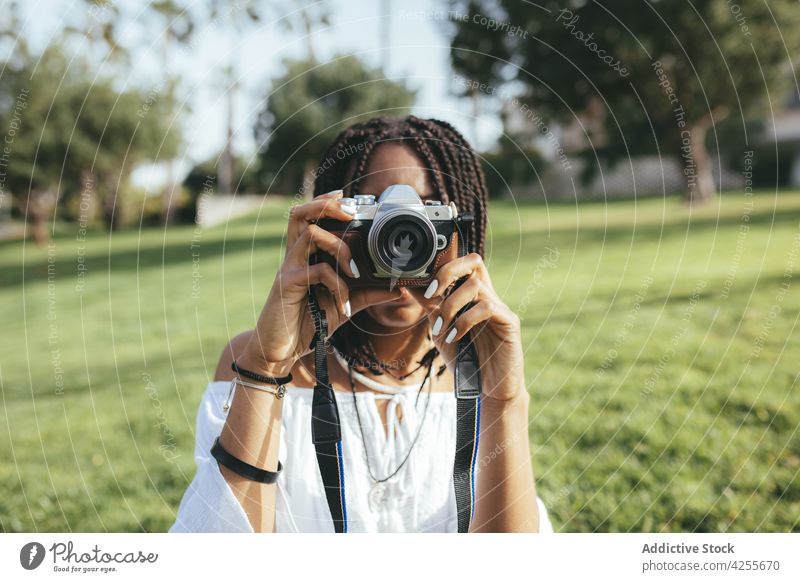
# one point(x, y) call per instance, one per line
point(376, 496)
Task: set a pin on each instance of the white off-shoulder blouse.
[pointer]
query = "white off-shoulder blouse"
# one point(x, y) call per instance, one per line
point(419, 498)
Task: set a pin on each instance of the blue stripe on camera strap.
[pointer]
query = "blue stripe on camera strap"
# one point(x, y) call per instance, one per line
point(468, 391)
point(325, 426)
point(475, 453)
point(331, 468)
point(467, 439)
point(341, 480)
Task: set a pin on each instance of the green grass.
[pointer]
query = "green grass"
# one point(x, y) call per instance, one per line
point(664, 379)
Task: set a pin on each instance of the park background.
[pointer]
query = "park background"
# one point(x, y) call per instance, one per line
point(643, 160)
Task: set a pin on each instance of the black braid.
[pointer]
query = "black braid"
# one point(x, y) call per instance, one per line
point(457, 177)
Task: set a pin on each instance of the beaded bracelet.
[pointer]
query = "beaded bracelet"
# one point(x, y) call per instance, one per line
point(259, 377)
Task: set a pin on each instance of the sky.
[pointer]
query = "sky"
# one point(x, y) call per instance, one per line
point(417, 44)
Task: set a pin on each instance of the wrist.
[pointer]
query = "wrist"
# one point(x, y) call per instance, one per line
point(253, 360)
point(516, 404)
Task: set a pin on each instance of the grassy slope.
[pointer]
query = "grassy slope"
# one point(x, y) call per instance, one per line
point(656, 406)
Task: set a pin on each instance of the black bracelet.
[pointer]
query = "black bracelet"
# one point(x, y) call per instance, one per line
point(259, 377)
point(241, 468)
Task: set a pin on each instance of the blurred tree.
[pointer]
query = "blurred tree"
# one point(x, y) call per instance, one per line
point(201, 180)
point(309, 17)
point(310, 104)
point(667, 71)
point(74, 135)
point(236, 17)
point(98, 23)
point(513, 161)
point(10, 43)
point(177, 27)
point(510, 166)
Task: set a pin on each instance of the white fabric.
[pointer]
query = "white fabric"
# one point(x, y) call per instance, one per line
point(419, 498)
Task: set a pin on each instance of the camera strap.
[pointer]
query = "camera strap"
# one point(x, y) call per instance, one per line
point(468, 404)
point(326, 430)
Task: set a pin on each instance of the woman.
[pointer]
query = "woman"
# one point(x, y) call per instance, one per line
point(391, 368)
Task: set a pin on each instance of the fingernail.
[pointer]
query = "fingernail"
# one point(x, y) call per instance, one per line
point(348, 208)
point(337, 193)
point(431, 289)
point(451, 336)
point(437, 325)
point(347, 311)
point(354, 268)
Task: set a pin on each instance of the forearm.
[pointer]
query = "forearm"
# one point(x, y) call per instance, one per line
point(252, 433)
point(505, 490)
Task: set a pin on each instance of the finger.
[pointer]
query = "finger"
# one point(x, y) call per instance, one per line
point(444, 315)
point(452, 271)
point(360, 299)
point(324, 274)
point(478, 313)
point(332, 194)
point(323, 206)
point(301, 215)
point(315, 238)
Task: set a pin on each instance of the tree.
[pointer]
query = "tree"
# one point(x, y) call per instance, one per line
point(667, 72)
point(74, 135)
point(236, 17)
point(310, 104)
point(201, 180)
point(308, 18)
point(178, 27)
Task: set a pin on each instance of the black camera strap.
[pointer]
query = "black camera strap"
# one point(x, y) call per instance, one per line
point(326, 429)
point(468, 404)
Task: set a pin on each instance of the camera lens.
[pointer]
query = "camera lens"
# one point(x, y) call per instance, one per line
point(404, 243)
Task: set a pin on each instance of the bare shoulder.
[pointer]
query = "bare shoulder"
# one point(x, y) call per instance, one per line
point(302, 372)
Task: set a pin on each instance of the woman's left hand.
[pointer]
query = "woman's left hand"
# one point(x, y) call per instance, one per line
point(495, 329)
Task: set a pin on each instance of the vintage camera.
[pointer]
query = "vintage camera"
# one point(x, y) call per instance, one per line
point(397, 239)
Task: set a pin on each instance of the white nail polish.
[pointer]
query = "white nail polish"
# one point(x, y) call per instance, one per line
point(354, 268)
point(431, 289)
point(437, 325)
point(348, 208)
point(347, 311)
point(451, 336)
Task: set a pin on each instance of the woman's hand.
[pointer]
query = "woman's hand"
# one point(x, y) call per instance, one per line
point(285, 327)
point(495, 328)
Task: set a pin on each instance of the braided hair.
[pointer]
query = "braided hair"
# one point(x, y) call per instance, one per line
point(457, 176)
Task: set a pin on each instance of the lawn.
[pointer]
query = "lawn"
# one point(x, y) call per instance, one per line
point(661, 342)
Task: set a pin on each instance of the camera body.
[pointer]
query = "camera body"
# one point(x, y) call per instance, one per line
point(396, 239)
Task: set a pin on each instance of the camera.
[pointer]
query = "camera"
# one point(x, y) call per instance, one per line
point(397, 239)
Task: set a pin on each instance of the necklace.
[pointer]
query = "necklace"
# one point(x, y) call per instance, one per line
point(387, 367)
point(378, 488)
point(369, 382)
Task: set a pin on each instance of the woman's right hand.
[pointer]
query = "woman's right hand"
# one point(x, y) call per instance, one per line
point(285, 327)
